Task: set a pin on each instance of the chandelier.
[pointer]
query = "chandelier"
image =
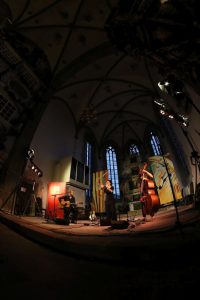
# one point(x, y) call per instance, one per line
point(88, 115)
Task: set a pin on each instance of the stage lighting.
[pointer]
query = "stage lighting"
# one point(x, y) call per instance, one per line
point(182, 119)
point(162, 112)
point(30, 154)
point(36, 169)
point(160, 102)
point(170, 116)
point(163, 85)
point(185, 123)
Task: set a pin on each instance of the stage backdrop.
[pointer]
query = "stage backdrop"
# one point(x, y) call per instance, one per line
point(130, 181)
point(162, 179)
point(98, 202)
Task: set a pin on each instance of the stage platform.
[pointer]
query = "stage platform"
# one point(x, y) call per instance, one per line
point(165, 232)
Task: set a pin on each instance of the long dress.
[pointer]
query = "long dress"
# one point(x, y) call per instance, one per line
point(110, 204)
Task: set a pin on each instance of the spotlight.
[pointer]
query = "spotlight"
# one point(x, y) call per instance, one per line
point(178, 93)
point(183, 117)
point(30, 154)
point(39, 174)
point(160, 102)
point(183, 120)
point(185, 123)
point(170, 116)
point(36, 169)
point(163, 86)
point(162, 112)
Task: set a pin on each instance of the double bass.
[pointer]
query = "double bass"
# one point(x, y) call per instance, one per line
point(149, 197)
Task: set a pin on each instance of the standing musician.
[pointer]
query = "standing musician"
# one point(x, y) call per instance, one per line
point(109, 201)
point(145, 198)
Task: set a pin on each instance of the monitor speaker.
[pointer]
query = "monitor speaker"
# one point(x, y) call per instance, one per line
point(119, 224)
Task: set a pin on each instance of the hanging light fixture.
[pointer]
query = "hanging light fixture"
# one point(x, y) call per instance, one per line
point(165, 110)
point(30, 155)
point(88, 115)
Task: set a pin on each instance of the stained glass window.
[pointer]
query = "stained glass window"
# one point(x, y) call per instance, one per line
point(112, 168)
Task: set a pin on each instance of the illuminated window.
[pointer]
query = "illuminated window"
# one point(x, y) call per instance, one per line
point(88, 154)
point(133, 150)
point(134, 153)
point(112, 168)
point(155, 144)
point(88, 163)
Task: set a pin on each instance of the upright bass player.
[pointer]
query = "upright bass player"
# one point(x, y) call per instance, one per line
point(145, 176)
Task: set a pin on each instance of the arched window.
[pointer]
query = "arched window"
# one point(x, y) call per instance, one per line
point(134, 153)
point(155, 144)
point(112, 168)
point(88, 154)
point(88, 163)
point(133, 150)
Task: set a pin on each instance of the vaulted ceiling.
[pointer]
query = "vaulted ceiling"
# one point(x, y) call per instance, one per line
point(103, 59)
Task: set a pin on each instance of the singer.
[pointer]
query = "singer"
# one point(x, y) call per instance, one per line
point(110, 201)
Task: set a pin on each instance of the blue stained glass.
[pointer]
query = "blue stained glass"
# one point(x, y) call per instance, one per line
point(111, 161)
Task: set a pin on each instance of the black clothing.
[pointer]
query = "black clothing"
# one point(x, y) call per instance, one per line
point(66, 207)
point(70, 211)
point(110, 204)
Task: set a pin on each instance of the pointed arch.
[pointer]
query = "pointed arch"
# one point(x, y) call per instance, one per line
point(112, 167)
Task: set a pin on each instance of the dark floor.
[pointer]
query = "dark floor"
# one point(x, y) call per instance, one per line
point(161, 235)
point(34, 271)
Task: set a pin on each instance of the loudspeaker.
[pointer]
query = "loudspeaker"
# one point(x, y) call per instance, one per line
point(60, 221)
point(119, 224)
point(105, 222)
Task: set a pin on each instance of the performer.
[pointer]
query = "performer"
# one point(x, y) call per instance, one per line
point(109, 201)
point(69, 206)
point(73, 207)
point(145, 176)
point(65, 204)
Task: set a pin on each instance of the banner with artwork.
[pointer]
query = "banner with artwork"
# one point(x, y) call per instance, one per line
point(98, 202)
point(130, 181)
point(162, 168)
